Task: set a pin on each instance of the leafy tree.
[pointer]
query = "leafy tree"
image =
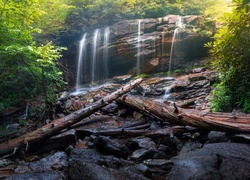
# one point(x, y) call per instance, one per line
point(231, 53)
point(52, 20)
point(26, 68)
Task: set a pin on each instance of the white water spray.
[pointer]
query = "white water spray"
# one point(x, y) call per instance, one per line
point(80, 60)
point(179, 24)
point(94, 68)
point(167, 94)
point(106, 51)
point(138, 48)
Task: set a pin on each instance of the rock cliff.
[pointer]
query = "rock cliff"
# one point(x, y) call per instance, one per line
point(148, 46)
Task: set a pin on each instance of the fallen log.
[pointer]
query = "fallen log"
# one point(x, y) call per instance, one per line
point(169, 131)
point(231, 122)
point(58, 125)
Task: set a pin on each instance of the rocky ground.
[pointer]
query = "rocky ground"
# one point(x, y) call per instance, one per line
point(118, 142)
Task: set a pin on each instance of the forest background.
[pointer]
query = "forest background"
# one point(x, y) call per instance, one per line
point(34, 34)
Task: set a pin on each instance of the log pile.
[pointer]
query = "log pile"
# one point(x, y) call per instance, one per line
point(231, 122)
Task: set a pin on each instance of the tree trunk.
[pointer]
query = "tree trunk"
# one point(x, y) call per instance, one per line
point(233, 122)
point(58, 125)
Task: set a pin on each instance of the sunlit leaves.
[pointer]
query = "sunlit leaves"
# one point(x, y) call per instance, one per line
point(54, 15)
point(23, 61)
point(231, 55)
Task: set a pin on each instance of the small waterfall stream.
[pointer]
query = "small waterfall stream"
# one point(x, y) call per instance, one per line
point(138, 64)
point(81, 61)
point(179, 24)
point(94, 53)
point(95, 57)
point(167, 94)
point(106, 52)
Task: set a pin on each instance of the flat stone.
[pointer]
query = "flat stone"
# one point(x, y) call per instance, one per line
point(144, 142)
point(92, 156)
point(110, 146)
point(49, 175)
point(217, 136)
point(141, 154)
point(111, 108)
point(56, 161)
point(244, 138)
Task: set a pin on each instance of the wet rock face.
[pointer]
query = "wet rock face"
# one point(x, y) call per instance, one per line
point(152, 45)
point(155, 44)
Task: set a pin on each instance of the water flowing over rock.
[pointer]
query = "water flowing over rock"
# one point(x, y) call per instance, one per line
point(143, 46)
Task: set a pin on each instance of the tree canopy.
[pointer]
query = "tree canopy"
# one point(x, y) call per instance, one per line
point(31, 30)
point(231, 56)
point(89, 15)
point(27, 67)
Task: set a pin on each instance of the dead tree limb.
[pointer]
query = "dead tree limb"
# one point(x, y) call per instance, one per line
point(232, 122)
point(58, 125)
point(169, 131)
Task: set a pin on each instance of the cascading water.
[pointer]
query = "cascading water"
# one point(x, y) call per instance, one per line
point(179, 24)
point(166, 94)
point(138, 66)
point(95, 57)
point(80, 60)
point(106, 51)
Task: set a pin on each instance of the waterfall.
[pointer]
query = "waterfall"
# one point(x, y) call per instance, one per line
point(25, 115)
point(166, 94)
point(81, 58)
point(106, 52)
point(138, 48)
point(95, 57)
point(172, 51)
point(179, 25)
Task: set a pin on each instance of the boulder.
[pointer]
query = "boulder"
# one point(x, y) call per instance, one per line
point(213, 161)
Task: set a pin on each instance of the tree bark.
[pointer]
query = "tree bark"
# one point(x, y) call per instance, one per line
point(231, 122)
point(58, 125)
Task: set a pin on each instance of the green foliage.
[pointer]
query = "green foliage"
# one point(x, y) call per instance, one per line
point(178, 71)
point(221, 100)
point(88, 15)
point(52, 20)
point(26, 67)
point(231, 53)
point(141, 76)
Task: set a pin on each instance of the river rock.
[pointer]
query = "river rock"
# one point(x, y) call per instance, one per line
point(141, 154)
point(48, 175)
point(111, 108)
point(111, 146)
point(213, 161)
point(143, 142)
point(217, 136)
point(56, 161)
point(89, 164)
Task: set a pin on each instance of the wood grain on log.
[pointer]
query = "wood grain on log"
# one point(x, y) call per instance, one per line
point(232, 122)
point(57, 125)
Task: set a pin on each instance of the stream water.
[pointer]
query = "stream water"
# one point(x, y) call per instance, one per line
point(106, 52)
point(81, 61)
point(95, 57)
point(179, 25)
point(138, 64)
